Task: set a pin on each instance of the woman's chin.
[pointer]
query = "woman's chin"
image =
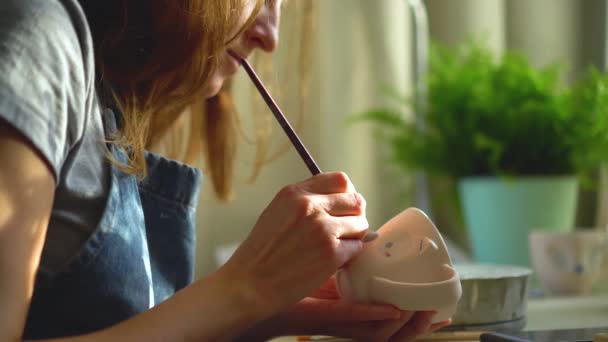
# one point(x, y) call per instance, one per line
point(213, 87)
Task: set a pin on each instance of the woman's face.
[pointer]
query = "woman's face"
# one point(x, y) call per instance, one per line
point(262, 34)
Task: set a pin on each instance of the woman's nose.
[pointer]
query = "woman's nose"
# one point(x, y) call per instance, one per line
point(264, 32)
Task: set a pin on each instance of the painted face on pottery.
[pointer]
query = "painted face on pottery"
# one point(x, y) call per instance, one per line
point(407, 266)
point(408, 255)
point(398, 248)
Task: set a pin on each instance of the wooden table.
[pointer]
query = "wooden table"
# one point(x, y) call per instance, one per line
point(557, 313)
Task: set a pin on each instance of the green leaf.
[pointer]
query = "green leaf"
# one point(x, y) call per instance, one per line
point(497, 116)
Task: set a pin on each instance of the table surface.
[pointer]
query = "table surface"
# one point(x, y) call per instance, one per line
point(557, 313)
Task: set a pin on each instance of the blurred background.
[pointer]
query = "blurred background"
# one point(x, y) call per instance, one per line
point(334, 60)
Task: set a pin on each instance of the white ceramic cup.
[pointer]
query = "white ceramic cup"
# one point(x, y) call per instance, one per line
point(568, 263)
point(407, 266)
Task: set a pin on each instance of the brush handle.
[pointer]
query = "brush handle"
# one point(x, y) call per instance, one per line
point(278, 114)
point(287, 128)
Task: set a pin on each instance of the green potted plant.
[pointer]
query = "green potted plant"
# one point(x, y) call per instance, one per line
point(511, 135)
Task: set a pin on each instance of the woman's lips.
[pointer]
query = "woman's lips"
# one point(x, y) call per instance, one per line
point(235, 55)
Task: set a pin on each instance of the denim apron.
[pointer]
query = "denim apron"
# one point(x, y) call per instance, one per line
point(141, 252)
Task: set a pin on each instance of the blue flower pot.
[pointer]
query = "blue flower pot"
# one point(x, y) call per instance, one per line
point(500, 213)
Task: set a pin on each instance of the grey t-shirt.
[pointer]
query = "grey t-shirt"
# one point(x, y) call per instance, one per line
point(47, 92)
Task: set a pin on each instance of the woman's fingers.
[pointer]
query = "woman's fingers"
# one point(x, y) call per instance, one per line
point(331, 311)
point(440, 325)
point(358, 312)
point(347, 249)
point(419, 325)
point(349, 227)
point(306, 233)
point(327, 290)
point(376, 331)
point(365, 322)
point(341, 204)
point(327, 183)
point(386, 329)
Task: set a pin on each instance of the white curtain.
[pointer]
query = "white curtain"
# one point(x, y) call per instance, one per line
point(362, 46)
point(566, 31)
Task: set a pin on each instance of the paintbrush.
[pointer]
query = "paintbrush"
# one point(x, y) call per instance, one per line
point(287, 128)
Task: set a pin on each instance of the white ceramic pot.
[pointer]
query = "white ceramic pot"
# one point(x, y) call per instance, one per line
point(407, 266)
point(568, 263)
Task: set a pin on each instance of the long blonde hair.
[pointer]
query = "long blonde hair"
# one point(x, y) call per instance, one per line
point(160, 95)
point(215, 126)
point(157, 56)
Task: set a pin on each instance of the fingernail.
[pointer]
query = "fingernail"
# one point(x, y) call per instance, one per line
point(370, 236)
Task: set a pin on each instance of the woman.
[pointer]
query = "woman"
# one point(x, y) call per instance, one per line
point(96, 236)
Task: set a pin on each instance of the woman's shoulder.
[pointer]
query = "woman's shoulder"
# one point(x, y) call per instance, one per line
point(62, 15)
point(47, 73)
point(52, 28)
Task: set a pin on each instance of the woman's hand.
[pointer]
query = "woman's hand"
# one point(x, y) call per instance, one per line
point(307, 232)
point(324, 314)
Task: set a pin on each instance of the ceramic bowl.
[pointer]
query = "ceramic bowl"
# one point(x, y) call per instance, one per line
point(407, 266)
point(568, 263)
point(494, 297)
